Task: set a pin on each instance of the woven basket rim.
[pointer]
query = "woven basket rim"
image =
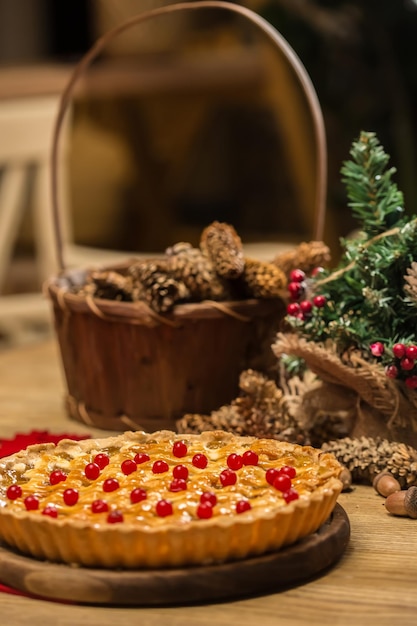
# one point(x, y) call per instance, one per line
point(56, 288)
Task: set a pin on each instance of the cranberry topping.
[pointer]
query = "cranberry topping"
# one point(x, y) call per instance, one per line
point(31, 503)
point(178, 484)
point(228, 477)
point(204, 510)
point(128, 467)
point(271, 474)
point(290, 495)
point(110, 484)
point(200, 461)
point(164, 508)
point(179, 449)
point(50, 511)
point(115, 517)
point(137, 495)
point(282, 482)
point(208, 497)
point(99, 506)
point(288, 470)
point(250, 458)
point(242, 506)
point(70, 497)
point(141, 457)
point(234, 461)
point(102, 460)
point(13, 492)
point(57, 476)
point(92, 471)
point(180, 471)
point(159, 467)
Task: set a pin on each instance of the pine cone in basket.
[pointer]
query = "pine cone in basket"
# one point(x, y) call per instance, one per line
point(217, 270)
point(154, 284)
point(262, 279)
point(306, 256)
point(223, 246)
point(196, 271)
point(109, 285)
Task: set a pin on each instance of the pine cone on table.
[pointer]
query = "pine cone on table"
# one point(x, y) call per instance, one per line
point(365, 457)
point(257, 411)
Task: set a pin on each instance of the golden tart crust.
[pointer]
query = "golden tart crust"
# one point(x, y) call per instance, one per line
point(145, 536)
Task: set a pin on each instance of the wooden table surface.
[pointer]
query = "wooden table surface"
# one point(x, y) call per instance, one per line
point(374, 583)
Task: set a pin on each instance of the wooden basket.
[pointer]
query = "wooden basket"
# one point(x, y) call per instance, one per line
point(127, 367)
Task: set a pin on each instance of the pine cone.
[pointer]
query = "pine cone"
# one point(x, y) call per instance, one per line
point(108, 285)
point(257, 411)
point(305, 257)
point(226, 418)
point(223, 246)
point(154, 285)
point(262, 279)
point(366, 457)
point(195, 270)
point(411, 282)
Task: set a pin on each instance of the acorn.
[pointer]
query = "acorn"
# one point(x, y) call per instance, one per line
point(385, 484)
point(403, 503)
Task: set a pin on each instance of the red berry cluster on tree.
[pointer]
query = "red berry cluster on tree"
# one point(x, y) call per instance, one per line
point(400, 361)
point(301, 306)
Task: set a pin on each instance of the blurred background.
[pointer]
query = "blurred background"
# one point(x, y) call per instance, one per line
point(195, 117)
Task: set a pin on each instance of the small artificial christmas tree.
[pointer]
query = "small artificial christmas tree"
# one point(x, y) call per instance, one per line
point(355, 326)
point(370, 301)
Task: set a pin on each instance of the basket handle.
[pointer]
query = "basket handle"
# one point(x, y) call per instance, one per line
point(274, 36)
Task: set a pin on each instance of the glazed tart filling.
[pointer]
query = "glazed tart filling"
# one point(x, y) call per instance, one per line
point(138, 485)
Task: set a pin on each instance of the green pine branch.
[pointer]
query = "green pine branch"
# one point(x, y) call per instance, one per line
point(374, 198)
point(365, 294)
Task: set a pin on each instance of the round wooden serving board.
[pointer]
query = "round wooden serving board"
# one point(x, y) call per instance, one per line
point(258, 575)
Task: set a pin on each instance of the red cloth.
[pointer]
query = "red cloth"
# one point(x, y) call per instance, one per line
point(19, 442)
point(22, 440)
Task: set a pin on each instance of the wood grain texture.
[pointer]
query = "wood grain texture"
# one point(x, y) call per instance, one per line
point(125, 369)
point(373, 584)
point(259, 575)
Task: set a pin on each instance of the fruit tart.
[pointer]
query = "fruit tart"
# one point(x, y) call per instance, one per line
point(160, 500)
